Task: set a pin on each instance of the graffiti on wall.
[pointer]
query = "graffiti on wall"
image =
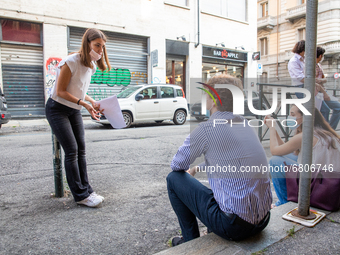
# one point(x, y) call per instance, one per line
point(51, 67)
point(140, 77)
point(118, 77)
point(114, 77)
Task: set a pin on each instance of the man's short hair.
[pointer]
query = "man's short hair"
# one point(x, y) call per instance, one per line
point(225, 94)
point(299, 47)
point(320, 51)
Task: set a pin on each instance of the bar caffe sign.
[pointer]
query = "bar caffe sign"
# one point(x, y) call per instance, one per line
point(224, 54)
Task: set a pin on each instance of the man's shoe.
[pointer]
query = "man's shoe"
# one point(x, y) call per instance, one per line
point(95, 194)
point(177, 241)
point(91, 201)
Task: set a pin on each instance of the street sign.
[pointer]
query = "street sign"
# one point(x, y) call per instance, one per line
point(256, 55)
point(154, 58)
point(336, 75)
point(259, 69)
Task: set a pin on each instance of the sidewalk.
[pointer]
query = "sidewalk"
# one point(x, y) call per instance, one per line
point(279, 237)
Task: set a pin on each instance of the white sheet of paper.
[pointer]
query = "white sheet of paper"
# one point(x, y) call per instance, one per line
point(112, 111)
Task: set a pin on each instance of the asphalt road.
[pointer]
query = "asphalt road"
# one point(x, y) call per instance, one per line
point(128, 167)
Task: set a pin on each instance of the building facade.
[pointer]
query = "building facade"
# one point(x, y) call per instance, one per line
point(282, 23)
point(149, 41)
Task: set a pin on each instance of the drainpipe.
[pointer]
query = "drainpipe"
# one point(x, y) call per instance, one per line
point(198, 24)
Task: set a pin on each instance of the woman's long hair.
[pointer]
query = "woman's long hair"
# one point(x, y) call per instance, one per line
point(322, 129)
point(85, 58)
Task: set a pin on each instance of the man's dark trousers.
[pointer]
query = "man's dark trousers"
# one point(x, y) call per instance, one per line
point(190, 199)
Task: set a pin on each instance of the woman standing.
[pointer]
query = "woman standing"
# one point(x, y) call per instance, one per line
point(63, 110)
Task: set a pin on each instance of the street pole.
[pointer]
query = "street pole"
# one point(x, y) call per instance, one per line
point(57, 165)
point(308, 120)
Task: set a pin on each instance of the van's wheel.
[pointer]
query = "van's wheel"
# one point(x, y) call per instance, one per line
point(180, 117)
point(127, 118)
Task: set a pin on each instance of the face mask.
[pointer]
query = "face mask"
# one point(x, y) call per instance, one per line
point(211, 108)
point(95, 56)
point(292, 123)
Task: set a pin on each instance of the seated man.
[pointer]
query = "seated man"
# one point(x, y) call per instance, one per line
point(238, 203)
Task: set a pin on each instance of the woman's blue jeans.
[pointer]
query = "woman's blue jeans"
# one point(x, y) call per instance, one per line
point(67, 125)
point(276, 164)
point(325, 110)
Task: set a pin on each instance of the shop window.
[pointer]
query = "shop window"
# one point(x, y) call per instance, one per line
point(20, 31)
point(302, 34)
point(210, 70)
point(264, 46)
point(264, 9)
point(175, 72)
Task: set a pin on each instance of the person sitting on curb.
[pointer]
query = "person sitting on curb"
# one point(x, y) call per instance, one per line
point(237, 205)
point(326, 148)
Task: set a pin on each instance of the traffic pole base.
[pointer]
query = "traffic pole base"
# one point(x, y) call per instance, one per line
point(309, 221)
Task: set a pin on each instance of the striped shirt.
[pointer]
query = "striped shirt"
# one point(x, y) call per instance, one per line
point(229, 150)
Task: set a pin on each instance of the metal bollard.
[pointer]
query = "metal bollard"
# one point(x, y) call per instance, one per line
point(57, 166)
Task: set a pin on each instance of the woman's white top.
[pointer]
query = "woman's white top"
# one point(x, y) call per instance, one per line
point(79, 82)
point(324, 155)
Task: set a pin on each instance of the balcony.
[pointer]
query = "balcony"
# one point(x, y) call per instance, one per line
point(331, 47)
point(296, 12)
point(266, 23)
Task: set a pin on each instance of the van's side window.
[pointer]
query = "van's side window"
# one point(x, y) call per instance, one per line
point(179, 92)
point(167, 92)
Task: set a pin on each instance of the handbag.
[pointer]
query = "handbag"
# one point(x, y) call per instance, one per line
point(325, 188)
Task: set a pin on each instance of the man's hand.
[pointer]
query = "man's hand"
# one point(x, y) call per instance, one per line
point(192, 171)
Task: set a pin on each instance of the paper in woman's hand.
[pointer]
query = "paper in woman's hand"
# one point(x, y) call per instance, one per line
point(112, 112)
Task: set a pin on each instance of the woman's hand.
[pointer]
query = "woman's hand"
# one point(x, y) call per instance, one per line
point(92, 111)
point(321, 89)
point(270, 121)
point(96, 106)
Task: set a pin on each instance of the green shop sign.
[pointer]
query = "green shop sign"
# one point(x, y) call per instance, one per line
point(113, 77)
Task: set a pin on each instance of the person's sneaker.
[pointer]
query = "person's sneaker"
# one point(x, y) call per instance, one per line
point(95, 194)
point(91, 201)
point(177, 241)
